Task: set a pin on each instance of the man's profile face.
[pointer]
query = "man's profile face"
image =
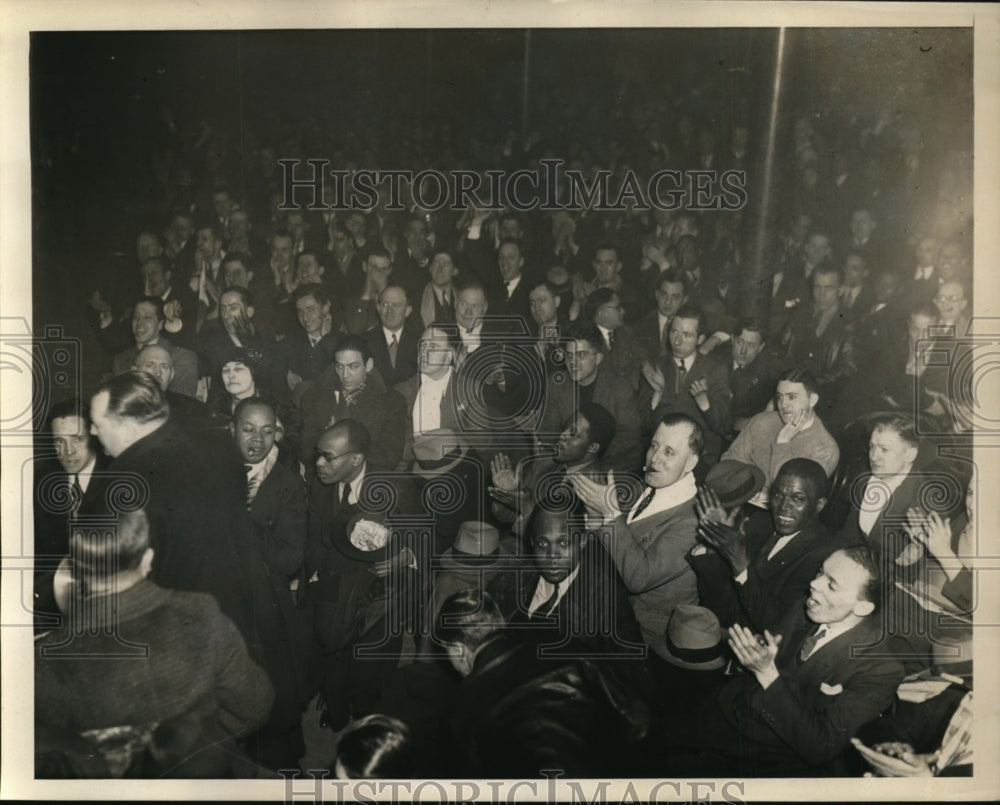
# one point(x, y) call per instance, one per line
point(683, 337)
point(73, 446)
point(606, 265)
point(146, 325)
point(669, 456)
point(109, 430)
point(792, 399)
point(351, 368)
point(156, 361)
point(434, 353)
point(794, 503)
point(837, 590)
point(826, 291)
point(334, 462)
point(470, 306)
point(573, 445)
point(255, 430)
point(669, 297)
point(311, 314)
point(510, 261)
point(889, 454)
point(555, 551)
point(206, 243)
point(746, 347)
point(543, 306)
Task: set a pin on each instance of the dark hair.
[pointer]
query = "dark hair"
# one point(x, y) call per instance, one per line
point(468, 618)
point(72, 407)
point(511, 242)
point(901, 424)
point(377, 251)
point(696, 441)
point(924, 309)
point(244, 293)
point(215, 226)
point(249, 402)
point(809, 471)
point(98, 554)
point(358, 438)
point(314, 252)
point(161, 260)
point(829, 268)
point(377, 747)
point(157, 304)
point(282, 233)
point(692, 312)
point(594, 301)
point(406, 296)
point(585, 330)
point(608, 247)
point(135, 395)
point(799, 375)
point(751, 323)
point(237, 257)
point(870, 558)
point(356, 343)
point(313, 289)
point(469, 282)
point(674, 277)
point(600, 425)
point(566, 509)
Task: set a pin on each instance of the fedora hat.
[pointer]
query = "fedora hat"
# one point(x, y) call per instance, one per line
point(365, 539)
point(477, 545)
point(735, 482)
point(694, 638)
point(437, 451)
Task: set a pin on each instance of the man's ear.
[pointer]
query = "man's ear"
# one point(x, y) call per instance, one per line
point(232, 429)
point(146, 563)
point(813, 399)
point(250, 311)
point(701, 339)
point(863, 609)
point(820, 505)
point(691, 463)
point(593, 448)
point(409, 310)
point(598, 357)
point(369, 365)
point(558, 300)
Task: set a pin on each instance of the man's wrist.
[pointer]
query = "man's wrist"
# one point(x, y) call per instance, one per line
point(767, 676)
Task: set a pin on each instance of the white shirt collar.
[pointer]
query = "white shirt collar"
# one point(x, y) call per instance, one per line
point(666, 497)
point(390, 333)
point(83, 476)
point(263, 468)
point(511, 285)
point(545, 587)
point(352, 498)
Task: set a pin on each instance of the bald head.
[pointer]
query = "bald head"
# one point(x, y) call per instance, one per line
point(157, 361)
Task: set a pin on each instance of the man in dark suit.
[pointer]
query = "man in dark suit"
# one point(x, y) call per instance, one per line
point(622, 356)
point(394, 342)
point(59, 492)
point(573, 587)
point(856, 294)
point(179, 303)
point(690, 383)
point(810, 686)
point(308, 348)
point(509, 293)
point(752, 368)
point(650, 332)
point(351, 389)
point(754, 576)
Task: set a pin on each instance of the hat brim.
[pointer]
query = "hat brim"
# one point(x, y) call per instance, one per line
point(759, 480)
point(690, 658)
point(455, 560)
point(433, 472)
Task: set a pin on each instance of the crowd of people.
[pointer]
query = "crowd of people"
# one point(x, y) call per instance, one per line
point(504, 492)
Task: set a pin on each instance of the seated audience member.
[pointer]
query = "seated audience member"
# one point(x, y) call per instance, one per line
point(584, 439)
point(808, 687)
point(856, 293)
point(186, 412)
point(607, 275)
point(518, 711)
point(508, 294)
point(241, 378)
point(276, 303)
point(437, 303)
point(603, 307)
point(180, 306)
point(348, 573)
point(376, 747)
point(472, 562)
point(651, 330)
point(198, 669)
point(753, 370)
point(572, 587)
point(820, 339)
point(60, 489)
point(748, 573)
point(794, 430)
point(922, 285)
point(308, 349)
point(589, 382)
point(394, 341)
point(882, 319)
point(686, 382)
point(350, 388)
point(547, 325)
point(147, 328)
point(360, 309)
point(650, 541)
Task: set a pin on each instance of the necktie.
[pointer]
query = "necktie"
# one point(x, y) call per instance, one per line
point(766, 549)
point(345, 495)
point(252, 484)
point(549, 604)
point(510, 287)
point(77, 495)
point(810, 643)
point(611, 339)
point(643, 503)
point(393, 348)
point(681, 372)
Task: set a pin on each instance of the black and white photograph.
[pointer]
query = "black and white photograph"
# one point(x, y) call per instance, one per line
point(597, 404)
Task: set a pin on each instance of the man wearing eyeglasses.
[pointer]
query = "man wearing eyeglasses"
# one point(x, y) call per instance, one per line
point(394, 342)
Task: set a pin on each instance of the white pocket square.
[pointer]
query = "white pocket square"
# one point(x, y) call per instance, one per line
point(830, 690)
